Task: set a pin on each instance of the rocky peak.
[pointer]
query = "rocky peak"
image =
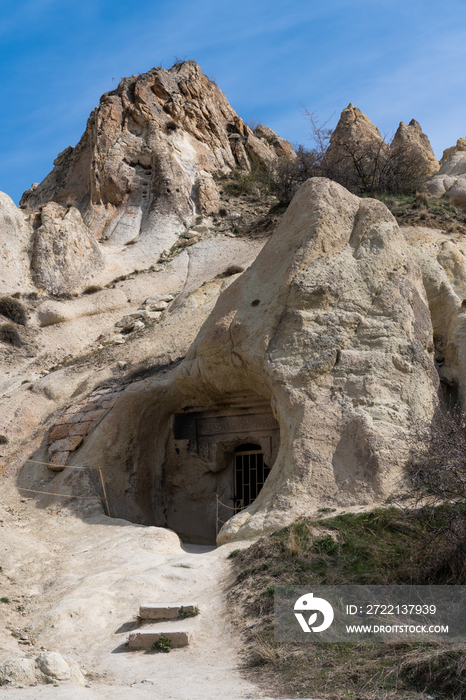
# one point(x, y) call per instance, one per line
point(150, 151)
point(412, 136)
point(354, 128)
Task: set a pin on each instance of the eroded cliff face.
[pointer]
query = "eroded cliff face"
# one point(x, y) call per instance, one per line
point(145, 167)
point(330, 329)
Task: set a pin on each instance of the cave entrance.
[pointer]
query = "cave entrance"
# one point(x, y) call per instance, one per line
point(226, 449)
point(250, 474)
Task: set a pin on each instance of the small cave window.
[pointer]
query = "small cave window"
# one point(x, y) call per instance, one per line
point(250, 474)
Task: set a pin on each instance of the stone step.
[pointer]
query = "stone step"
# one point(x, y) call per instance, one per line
point(177, 633)
point(165, 611)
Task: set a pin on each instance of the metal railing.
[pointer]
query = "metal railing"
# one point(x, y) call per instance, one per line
point(235, 508)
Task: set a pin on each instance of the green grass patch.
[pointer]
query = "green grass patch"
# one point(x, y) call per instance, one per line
point(379, 547)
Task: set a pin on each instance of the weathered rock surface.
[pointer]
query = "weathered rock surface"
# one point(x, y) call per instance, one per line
point(15, 248)
point(48, 667)
point(412, 137)
point(65, 253)
point(443, 265)
point(450, 181)
point(460, 146)
point(142, 171)
point(353, 131)
point(51, 311)
point(359, 157)
point(331, 327)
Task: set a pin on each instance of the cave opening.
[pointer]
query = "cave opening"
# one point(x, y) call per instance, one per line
point(223, 453)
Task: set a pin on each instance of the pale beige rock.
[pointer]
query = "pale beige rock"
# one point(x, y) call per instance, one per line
point(65, 253)
point(260, 151)
point(18, 671)
point(48, 667)
point(15, 234)
point(460, 146)
point(282, 147)
point(51, 312)
point(145, 166)
point(58, 668)
point(450, 181)
point(330, 327)
point(412, 137)
point(443, 265)
point(354, 129)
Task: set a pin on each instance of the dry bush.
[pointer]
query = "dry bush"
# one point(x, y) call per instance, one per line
point(263, 651)
point(13, 309)
point(369, 168)
point(3, 440)
point(373, 168)
point(9, 334)
point(230, 270)
point(436, 479)
point(437, 670)
point(92, 289)
point(437, 456)
point(421, 201)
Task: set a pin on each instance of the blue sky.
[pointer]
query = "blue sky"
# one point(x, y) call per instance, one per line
point(394, 60)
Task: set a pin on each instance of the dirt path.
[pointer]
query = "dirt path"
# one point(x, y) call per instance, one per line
point(81, 582)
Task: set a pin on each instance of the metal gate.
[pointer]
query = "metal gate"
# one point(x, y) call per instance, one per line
point(250, 474)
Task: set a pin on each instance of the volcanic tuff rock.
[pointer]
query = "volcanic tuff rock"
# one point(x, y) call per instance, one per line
point(412, 136)
point(355, 133)
point(65, 252)
point(354, 129)
point(15, 245)
point(450, 181)
point(142, 171)
point(330, 325)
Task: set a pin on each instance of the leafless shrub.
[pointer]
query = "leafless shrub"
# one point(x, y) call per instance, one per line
point(436, 479)
point(9, 334)
point(437, 669)
point(369, 168)
point(231, 270)
point(437, 462)
point(373, 167)
point(13, 309)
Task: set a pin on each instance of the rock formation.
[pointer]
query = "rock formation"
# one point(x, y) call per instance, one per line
point(412, 137)
point(316, 347)
point(359, 158)
point(354, 129)
point(326, 338)
point(450, 181)
point(15, 248)
point(145, 167)
point(65, 252)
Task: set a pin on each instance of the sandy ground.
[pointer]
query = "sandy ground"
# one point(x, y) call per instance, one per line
point(80, 581)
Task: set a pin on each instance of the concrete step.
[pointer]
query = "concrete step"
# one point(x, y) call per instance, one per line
point(177, 632)
point(165, 611)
